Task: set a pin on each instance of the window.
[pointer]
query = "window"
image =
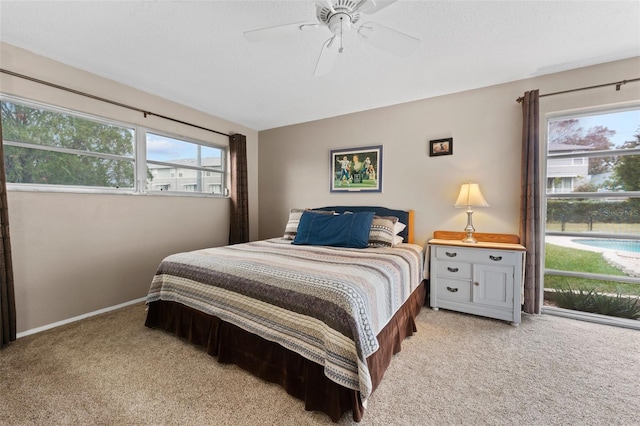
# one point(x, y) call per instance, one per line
point(559, 184)
point(182, 165)
point(50, 147)
point(592, 237)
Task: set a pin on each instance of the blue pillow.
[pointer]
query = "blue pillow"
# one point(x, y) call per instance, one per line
point(345, 230)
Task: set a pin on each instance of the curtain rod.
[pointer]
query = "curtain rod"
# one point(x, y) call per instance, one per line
point(88, 95)
point(618, 85)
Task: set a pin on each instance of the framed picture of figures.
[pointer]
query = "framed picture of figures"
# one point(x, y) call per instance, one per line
point(356, 169)
point(441, 147)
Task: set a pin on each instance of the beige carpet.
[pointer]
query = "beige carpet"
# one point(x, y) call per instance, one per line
point(457, 370)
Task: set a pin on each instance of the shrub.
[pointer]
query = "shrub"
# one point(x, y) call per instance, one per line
point(596, 210)
point(588, 300)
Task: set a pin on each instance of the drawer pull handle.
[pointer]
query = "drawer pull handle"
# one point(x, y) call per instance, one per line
point(450, 254)
point(452, 290)
point(495, 258)
point(476, 283)
point(450, 269)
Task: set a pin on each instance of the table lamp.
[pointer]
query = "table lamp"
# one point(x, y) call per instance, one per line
point(470, 196)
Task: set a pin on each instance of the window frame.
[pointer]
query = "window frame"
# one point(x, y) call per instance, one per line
point(138, 157)
point(545, 196)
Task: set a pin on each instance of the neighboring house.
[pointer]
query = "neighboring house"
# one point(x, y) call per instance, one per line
point(184, 179)
point(567, 173)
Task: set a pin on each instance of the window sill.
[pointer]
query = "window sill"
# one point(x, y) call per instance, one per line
point(589, 317)
point(13, 187)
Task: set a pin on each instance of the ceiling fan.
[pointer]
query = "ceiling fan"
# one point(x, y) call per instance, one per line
point(341, 16)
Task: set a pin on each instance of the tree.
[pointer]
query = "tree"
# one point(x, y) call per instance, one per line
point(568, 132)
point(627, 169)
point(598, 137)
point(54, 129)
point(626, 172)
point(564, 131)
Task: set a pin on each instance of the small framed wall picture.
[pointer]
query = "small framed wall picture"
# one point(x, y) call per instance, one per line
point(439, 147)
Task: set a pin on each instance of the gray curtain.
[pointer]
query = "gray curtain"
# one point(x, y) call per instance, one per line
point(239, 225)
point(7, 295)
point(530, 208)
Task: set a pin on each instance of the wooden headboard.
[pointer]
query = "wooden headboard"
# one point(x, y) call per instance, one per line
point(404, 216)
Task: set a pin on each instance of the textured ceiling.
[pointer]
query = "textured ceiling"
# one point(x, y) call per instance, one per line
point(194, 52)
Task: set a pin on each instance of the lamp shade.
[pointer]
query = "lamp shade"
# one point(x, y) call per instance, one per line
point(470, 195)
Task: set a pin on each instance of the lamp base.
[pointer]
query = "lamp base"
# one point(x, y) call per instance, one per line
point(469, 228)
point(469, 238)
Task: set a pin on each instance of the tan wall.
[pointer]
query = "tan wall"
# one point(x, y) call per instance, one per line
point(485, 124)
point(77, 253)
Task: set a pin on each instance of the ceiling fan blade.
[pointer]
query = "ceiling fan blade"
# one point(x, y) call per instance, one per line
point(328, 56)
point(280, 31)
point(388, 39)
point(372, 6)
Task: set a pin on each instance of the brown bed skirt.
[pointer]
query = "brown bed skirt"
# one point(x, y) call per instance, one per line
point(300, 377)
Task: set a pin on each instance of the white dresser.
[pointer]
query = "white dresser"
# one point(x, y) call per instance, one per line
point(485, 278)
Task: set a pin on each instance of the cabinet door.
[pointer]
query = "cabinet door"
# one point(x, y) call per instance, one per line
point(493, 285)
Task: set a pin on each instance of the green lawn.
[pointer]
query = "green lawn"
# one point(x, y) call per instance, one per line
point(569, 259)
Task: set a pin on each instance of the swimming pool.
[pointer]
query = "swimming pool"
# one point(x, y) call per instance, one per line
point(621, 245)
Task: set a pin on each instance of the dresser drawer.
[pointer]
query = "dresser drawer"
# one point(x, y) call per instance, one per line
point(454, 290)
point(453, 269)
point(476, 255)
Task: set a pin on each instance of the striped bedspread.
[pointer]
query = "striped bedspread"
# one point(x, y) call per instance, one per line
point(325, 303)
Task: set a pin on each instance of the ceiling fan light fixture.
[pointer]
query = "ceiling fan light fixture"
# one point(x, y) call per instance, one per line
point(344, 7)
point(339, 22)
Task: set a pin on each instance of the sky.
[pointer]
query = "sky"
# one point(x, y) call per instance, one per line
point(625, 124)
point(162, 148)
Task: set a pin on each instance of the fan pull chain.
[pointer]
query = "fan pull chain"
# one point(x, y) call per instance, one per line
point(341, 34)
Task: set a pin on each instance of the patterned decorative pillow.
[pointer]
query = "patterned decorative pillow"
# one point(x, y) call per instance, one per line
point(291, 229)
point(382, 231)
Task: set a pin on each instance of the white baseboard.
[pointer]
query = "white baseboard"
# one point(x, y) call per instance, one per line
point(78, 318)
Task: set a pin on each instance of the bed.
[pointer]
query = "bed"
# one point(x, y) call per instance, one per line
point(323, 321)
